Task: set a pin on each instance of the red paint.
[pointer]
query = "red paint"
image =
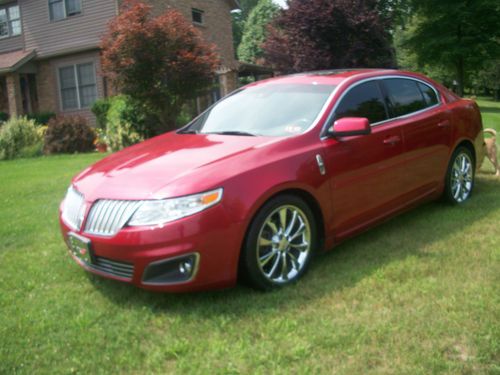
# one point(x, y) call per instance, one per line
point(368, 178)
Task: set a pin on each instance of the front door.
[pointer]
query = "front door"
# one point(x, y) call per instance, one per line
point(366, 171)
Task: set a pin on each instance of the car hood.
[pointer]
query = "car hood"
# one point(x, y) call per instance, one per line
point(145, 170)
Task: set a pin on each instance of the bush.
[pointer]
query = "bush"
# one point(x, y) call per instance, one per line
point(100, 109)
point(41, 118)
point(68, 134)
point(122, 123)
point(18, 138)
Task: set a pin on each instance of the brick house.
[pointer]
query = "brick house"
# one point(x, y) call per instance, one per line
point(50, 58)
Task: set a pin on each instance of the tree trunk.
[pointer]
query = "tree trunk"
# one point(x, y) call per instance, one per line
point(460, 76)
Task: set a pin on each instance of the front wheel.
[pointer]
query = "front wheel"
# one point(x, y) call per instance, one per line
point(279, 243)
point(460, 176)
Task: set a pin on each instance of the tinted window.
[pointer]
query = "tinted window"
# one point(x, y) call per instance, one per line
point(429, 94)
point(404, 95)
point(364, 100)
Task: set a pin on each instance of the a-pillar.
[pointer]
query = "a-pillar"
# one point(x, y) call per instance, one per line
point(14, 94)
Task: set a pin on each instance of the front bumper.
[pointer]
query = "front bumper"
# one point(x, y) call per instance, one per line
point(211, 237)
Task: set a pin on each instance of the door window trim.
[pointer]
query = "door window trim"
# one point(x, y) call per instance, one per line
point(331, 116)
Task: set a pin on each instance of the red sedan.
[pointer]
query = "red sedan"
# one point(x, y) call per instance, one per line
point(269, 176)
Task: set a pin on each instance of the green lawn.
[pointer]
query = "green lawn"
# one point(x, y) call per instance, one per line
point(419, 294)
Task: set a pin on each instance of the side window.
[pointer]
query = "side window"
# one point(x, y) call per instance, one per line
point(404, 95)
point(429, 94)
point(364, 100)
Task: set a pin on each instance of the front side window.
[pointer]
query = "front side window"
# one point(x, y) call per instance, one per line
point(78, 86)
point(404, 95)
point(364, 100)
point(60, 9)
point(10, 21)
point(271, 109)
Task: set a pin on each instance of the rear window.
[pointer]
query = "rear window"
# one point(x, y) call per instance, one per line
point(404, 95)
point(429, 94)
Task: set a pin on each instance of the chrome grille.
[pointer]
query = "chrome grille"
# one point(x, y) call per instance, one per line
point(113, 267)
point(107, 217)
point(73, 209)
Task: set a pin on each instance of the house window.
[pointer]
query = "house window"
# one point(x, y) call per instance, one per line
point(197, 16)
point(60, 9)
point(78, 86)
point(10, 21)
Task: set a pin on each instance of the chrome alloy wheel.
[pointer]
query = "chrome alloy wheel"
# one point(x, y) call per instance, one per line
point(284, 244)
point(461, 177)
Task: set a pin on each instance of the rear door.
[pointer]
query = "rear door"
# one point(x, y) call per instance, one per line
point(415, 107)
point(365, 171)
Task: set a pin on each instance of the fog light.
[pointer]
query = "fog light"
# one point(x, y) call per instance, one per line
point(186, 267)
point(172, 270)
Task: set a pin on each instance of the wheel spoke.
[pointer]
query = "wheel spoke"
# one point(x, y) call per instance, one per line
point(273, 268)
point(292, 223)
point(295, 261)
point(299, 231)
point(301, 246)
point(264, 242)
point(267, 257)
point(282, 214)
point(271, 225)
point(284, 271)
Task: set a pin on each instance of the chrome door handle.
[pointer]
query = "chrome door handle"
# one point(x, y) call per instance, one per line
point(444, 124)
point(391, 141)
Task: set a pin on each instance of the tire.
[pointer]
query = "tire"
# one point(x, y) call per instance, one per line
point(279, 244)
point(459, 176)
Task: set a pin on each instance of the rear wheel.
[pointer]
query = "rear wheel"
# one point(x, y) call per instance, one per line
point(460, 176)
point(279, 243)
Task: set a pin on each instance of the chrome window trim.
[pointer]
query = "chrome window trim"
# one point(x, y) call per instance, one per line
point(323, 133)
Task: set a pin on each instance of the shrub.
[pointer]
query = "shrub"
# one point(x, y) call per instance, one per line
point(19, 137)
point(41, 118)
point(100, 109)
point(122, 122)
point(68, 134)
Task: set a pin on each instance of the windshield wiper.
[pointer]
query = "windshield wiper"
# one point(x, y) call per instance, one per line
point(234, 132)
point(187, 131)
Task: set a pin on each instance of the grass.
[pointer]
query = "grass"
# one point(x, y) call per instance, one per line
point(419, 294)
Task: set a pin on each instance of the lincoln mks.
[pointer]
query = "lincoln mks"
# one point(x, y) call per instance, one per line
point(270, 175)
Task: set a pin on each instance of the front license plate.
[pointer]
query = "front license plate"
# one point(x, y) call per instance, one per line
point(80, 247)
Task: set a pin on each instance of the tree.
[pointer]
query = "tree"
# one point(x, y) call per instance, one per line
point(457, 34)
point(239, 18)
point(325, 34)
point(255, 31)
point(161, 62)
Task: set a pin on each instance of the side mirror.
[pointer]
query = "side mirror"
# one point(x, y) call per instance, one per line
point(348, 126)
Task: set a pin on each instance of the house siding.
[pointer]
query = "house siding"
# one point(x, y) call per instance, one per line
point(76, 33)
point(10, 44)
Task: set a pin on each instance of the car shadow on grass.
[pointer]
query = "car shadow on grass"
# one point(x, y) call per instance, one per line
point(407, 235)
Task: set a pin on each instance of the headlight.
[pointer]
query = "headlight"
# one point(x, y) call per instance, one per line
point(165, 210)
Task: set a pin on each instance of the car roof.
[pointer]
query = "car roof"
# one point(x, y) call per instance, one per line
point(328, 77)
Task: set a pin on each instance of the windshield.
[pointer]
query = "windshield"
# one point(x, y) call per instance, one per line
point(268, 110)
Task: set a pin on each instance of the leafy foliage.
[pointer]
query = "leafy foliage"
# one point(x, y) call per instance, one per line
point(100, 109)
point(255, 31)
point(41, 118)
point(18, 138)
point(456, 34)
point(160, 62)
point(239, 18)
point(325, 34)
point(68, 134)
point(122, 122)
